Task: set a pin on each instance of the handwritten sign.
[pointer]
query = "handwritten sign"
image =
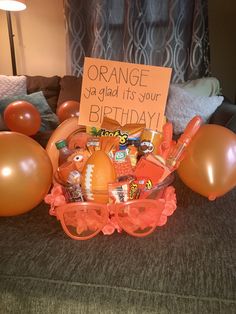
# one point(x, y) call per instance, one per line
point(126, 92)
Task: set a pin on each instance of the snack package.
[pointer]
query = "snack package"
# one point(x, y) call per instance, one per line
point(110, 127)
point(151, 168)
point(133, 150)
point(109, 144)
point(149, 141)
point(134, 190)
point(118, 192)
point(93, 144)
point(106, 143)
point(145, 186)
point(122, 164)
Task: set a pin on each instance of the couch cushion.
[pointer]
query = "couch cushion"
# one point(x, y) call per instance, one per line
point(48, 85)
point(3, 126)
point(70, 88)
point(185, 266)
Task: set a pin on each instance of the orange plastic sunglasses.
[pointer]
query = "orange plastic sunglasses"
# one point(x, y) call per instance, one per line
point(84, 220)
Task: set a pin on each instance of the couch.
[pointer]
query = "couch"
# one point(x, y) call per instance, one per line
point(186, 266)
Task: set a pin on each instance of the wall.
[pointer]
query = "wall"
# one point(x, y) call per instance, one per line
point(41, 45)
point(222, 27)
point(39, 39)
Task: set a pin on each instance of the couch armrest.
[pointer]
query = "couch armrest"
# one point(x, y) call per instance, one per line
point(225, 115)
point(70, 89)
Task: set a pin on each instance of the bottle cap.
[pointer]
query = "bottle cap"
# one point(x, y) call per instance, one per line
point(60, 144)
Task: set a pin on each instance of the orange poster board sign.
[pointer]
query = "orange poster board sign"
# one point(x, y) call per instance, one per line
point(125, 92)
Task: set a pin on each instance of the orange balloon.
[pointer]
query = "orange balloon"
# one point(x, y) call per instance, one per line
point(68, 109)
point(21, 116)
point(209, 167)
point(25, 173)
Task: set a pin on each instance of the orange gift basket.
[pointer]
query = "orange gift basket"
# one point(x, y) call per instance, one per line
point(108, 189)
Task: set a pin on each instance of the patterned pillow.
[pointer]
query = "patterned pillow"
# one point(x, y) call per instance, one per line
point(182, 107)
point(12, 85)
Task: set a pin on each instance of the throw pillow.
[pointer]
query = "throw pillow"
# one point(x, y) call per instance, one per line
point(48, 85)
point(49, 118)
point(206, 86)
point(182, 106)
point(12, 85)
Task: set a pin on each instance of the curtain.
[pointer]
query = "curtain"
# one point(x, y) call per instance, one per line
point(170, 33)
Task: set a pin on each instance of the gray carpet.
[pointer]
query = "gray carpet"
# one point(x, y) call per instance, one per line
point(186, 266)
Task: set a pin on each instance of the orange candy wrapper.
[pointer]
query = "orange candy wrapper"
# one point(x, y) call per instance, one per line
point(105, 143)
point(110, 128)
point(118, 192)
